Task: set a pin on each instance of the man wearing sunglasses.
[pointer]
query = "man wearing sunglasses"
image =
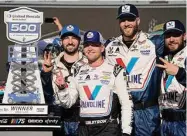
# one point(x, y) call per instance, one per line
point(101, 88)
point(172, 101)
point(137, 54)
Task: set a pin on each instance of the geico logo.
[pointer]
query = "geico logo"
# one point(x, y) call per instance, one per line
point(3, 121)
point(35, 121)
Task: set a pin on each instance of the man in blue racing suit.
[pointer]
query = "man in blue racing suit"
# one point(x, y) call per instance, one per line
point(137, 54)
point(172, 100)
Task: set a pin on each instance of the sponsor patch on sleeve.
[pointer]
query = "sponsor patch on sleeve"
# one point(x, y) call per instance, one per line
point(117, 69)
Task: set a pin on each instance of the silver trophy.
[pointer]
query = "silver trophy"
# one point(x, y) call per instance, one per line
point(23, 106)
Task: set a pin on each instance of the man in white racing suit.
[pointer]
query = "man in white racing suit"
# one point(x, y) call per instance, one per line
point(172, 100)
point(101, 88)
point(137, 54)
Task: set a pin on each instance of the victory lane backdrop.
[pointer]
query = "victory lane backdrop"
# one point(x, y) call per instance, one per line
point(91, 15)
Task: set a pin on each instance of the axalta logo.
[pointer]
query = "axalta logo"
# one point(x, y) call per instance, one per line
point(18, 121)
point(92, 95)
point(21, 108)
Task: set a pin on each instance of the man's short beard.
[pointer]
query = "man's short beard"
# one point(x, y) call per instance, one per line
point(133, 34)
point(168, 51)
point(71, 52)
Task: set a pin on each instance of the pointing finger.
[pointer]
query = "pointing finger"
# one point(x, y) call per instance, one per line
point(49, 55)
point(45, 55)
point(163, 60)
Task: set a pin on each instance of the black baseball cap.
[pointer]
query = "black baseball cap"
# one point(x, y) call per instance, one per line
point(126, 11)
point(174, 26)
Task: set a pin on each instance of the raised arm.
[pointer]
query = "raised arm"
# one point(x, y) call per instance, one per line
point(57, 23)
point(66, 95)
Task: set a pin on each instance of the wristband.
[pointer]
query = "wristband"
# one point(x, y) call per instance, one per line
point(48, 66)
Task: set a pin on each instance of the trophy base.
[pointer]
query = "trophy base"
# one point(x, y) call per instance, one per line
point(19, 117)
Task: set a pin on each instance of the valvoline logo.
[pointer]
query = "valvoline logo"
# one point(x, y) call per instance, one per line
point(92, 95)
point(130, 65)
point(130, 78)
